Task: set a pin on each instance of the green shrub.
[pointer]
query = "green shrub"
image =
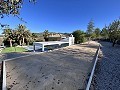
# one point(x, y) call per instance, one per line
point(79, 36)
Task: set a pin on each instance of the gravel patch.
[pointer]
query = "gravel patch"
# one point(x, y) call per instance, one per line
point(107, 73)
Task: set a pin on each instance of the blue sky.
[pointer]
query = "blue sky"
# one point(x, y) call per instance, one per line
point(65, 15)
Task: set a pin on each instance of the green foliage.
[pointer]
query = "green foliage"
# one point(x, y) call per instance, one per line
point(105, 33)
point(34, 35)
point(93, 35)
point(20, 35)
point(114, 30)
point(9, 35)
point(90, 28)
point(11, 7)
point(46, 35)
point(79, 36)
point(97, 32)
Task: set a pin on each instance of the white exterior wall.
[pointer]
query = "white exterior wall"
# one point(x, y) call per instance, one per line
point(71, 40)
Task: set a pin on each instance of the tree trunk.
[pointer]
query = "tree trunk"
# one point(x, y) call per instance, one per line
point(20, 42)
point(114, 42)
point(15, 48)
point(23, 40)
point(46, 39)
point(28, 43)
point(89, 40)
point(10, 42)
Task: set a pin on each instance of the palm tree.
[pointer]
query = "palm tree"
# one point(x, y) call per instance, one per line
point(9, 35)
point(46, 34)
point(28, 36)
point(23, 33)
point(21, 29)
point(18, 37)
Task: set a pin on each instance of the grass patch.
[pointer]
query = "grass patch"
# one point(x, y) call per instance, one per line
point(13, 49)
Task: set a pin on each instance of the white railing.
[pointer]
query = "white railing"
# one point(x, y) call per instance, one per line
point(93, 69)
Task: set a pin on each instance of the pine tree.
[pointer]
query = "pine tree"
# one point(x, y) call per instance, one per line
point(90, 28)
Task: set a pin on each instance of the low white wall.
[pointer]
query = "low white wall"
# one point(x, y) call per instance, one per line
point(32, 48)
point(4, 76)
point(71, 40)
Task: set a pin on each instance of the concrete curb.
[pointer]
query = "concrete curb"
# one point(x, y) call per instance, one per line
point(93, 69)
point(4, 76)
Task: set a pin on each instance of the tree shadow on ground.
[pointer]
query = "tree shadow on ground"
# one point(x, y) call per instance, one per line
point(12, 55)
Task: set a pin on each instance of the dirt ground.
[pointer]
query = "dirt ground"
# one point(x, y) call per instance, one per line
point(63, 69)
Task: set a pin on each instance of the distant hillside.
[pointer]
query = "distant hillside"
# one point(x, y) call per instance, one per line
point(53, 34)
